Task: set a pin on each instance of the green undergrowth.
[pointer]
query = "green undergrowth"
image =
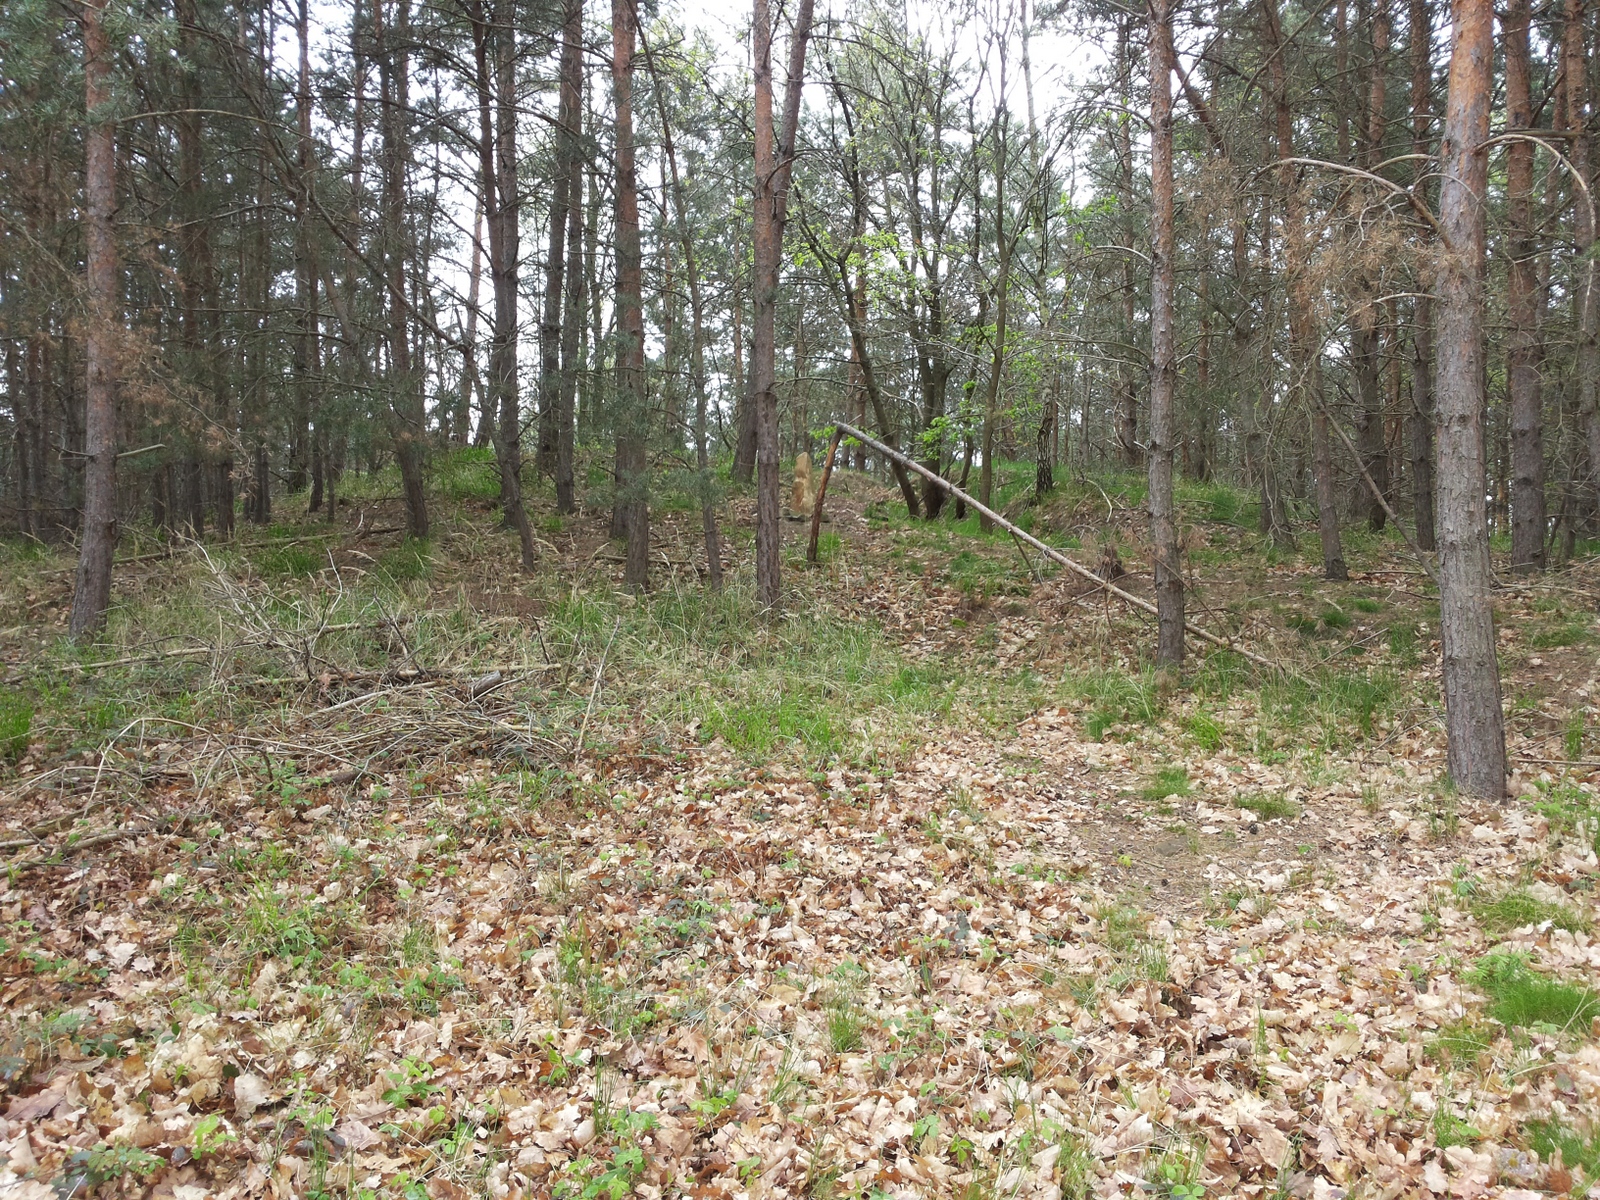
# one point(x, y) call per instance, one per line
point(1571, 811)
point(1580, 1149)
point(233, 631)
point(1518, 907)
point(1520, 997)
point(1330, 709)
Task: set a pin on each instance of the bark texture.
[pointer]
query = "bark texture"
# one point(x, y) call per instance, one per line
point(91, 595)
point(1163, 346)
point(1474, 723)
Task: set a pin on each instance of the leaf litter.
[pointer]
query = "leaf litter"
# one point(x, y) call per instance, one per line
point(1005, 965)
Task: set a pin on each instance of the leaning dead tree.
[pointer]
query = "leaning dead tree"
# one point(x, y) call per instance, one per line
point(1016, 531)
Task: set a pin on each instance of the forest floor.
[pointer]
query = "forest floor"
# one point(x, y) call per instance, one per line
point(346, 867)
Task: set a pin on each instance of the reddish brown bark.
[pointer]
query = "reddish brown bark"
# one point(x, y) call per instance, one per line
point(1586, 285)
point(1473, 720)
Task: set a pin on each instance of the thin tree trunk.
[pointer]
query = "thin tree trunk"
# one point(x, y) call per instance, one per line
point(1586, 284)
point(494, 50)
point(91, 597)
point(1473, 719)
point(1127, 415)
point(632, 417)
point(562, 197)
point(1163, 346)
point(1420, 35)
point(394, 71)
point(1524, 306)
point(1304, 358)
point(774, 157)
point(305, 274)
point(194, 257)
point(461, 425)
point(853, 298)
point(705, 484)
point(1046, 442)
point(572, 316)
point(1002, 306)
point(1368, 337)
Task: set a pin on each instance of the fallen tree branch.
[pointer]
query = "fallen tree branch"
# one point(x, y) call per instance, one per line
point(1051, 553)
point(162, 825)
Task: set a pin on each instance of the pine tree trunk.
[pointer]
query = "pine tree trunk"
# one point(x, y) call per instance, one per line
point(1473, 719)
point(305, 274)
point(1586, 281)
point(394, 69)
point(471, 383)
point(774, 152)
point(91, 597)
point(1127, 414)
point(1524, 307)
point(1370, 415)
point(1420, 34)
point(562, 197)
point(494, 54)
point(1163, 346)
point(705, 484)
point(573, 312)
point(633, 479)
point(1305, 365)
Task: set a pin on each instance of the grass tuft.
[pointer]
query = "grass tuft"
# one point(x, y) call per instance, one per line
point(16, 722)
point(1523, 998)
point(1519, 907)
point(1579, 1151)
point(1168, 781)
point(1268, 807)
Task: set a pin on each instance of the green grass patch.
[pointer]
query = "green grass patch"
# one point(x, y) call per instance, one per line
point(468, 473)
point(1333, 617)
point(289, 562)
point(1207, 733)
point(279, 926)
point(1451, 1130)
point(757, 726)
point(1464, 1043)
point(1168, 781)
point(1571, 811)
point(1575, 631)
point(1519, 907)
point(1331, 708)
point(16, 722)
point(407, 562)
point(1268, 807)
point(1579, 1150)
point(1521, 997)
point(1117, 698)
